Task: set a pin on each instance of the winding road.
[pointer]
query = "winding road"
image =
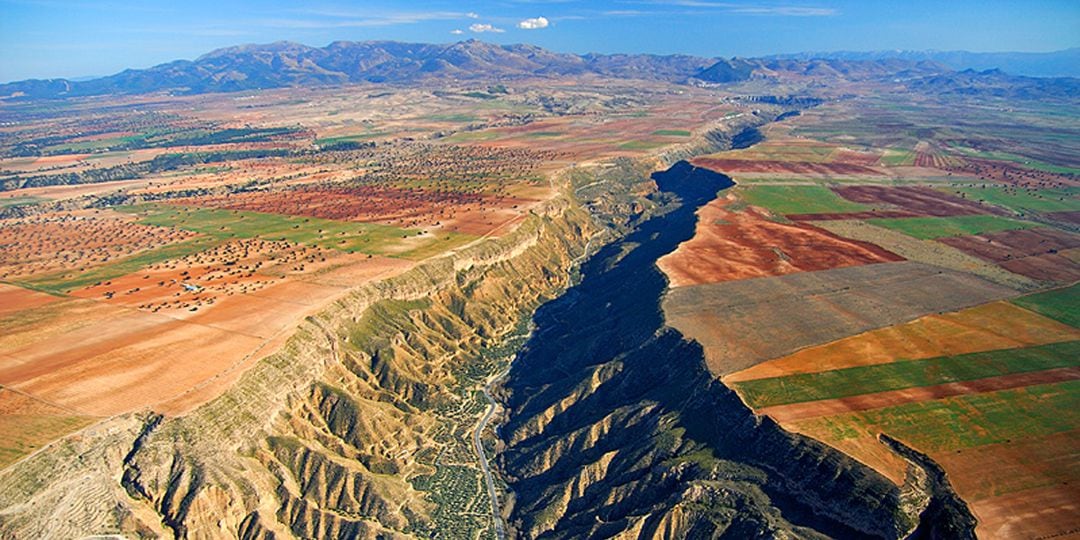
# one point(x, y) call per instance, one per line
point(500, 529)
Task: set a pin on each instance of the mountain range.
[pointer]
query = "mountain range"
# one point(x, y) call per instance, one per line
point(1064, 63)
point(284, 64)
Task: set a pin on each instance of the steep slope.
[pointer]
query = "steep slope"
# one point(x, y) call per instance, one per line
point(359, 428)
point(617, 428)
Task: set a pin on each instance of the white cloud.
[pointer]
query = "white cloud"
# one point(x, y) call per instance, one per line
point(457, 32)
point(472, 15)
point(480, 28)
point(533, 24)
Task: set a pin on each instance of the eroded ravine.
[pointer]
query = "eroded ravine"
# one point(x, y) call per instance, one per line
point(616, 427)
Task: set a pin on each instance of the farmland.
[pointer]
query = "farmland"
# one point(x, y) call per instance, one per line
point(932, 228)
point(895, 266)
point(799, 200)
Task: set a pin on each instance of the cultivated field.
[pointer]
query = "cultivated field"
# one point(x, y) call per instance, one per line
point(842, 347)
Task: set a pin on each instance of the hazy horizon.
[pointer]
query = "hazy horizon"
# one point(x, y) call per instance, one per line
point(103, 38)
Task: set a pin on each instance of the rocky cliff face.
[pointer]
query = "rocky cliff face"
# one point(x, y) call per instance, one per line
point(617, 429)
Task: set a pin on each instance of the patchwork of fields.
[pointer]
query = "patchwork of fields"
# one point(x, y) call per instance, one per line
point(864, 281)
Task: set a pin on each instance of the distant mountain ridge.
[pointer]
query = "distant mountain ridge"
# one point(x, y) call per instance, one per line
point(1064, 63)
point(285, 64)
point(281, 64)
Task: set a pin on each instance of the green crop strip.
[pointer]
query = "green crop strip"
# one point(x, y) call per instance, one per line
point(872, 379)
point(1061, 305)
point(800, 200)
point(928, 228)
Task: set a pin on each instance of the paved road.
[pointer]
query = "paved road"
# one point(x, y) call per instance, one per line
point(500, 530)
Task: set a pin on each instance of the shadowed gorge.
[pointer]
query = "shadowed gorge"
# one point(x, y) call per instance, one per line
point(617, 427)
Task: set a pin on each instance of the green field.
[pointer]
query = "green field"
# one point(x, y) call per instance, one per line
point(1061, 304)
point(228, 224)
point(641, 145)
point(898, 158)
point(672, 133)
point(19, 201)
point(799, 200)
point(350, 138)
point(1043, 200)
point(543, 134)
point(928, 228)
point(459, 117)
point(871, 379)
point(965, 421)
point(64, 282)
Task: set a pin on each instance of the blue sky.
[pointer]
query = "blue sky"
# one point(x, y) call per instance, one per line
point(66, 38)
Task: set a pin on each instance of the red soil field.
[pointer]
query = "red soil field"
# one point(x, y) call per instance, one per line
point(830, 407)
point(1034, 253)
point(14, 299)
point(852, 157)
point(1056, 268)
point(731, 245)
point(787, 167)
point(237, 267)
point(470, 213)
point(115, 359)
point(918, 200)
point(1067, 217)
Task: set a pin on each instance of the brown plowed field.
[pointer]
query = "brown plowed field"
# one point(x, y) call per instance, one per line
point(730, 245)
point(1018, 465)
point(787, 167)
point(1046, 513)
point(1067, 217)
point(918, 200)
point(812, 308)
point(1009, 245)
point(28, 424)
point(1057, 268)
point(936, 160)
point(1035, 253)
point(994, 326)
point(1032, 492)
point(830, 407)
